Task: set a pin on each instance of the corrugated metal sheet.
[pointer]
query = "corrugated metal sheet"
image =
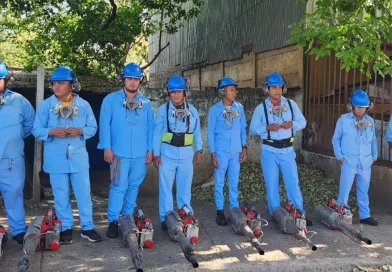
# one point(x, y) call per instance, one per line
point(223, 27)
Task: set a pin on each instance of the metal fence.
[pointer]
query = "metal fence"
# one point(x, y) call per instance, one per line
point(327, 91)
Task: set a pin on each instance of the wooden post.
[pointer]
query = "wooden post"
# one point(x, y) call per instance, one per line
point(38, 143)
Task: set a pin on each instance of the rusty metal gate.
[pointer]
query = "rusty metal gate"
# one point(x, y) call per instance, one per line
point(327, 91)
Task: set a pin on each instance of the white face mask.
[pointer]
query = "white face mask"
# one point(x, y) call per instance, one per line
point(230, 114)
point(132, 105)
point(2, 99)
point(363, 124)
point(66, 111)
point(278, 110)
point(181, 113)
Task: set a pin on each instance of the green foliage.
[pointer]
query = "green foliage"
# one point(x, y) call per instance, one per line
point(94, 37)
point(354, 29)
point(315, 186)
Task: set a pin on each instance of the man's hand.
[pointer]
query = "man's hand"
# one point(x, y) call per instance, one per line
point(157, 162)
point(390, 145)
point(287, 124)
point(214, 161)
point(197, 158)
point(243, 155)
point(342, 160)
point(73, 132)
point(58, 132)
point(149, 158)
point(273, 127)
point(108, 155)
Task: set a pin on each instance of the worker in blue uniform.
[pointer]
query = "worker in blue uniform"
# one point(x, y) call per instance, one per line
point(17, 119)
point(126, 130)
point(176, 129)
point(64, 122)
point(388, 136)
point(276, 121)
point(227, 144)
point(355, 146)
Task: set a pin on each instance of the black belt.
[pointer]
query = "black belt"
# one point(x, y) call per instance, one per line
point(284, 143)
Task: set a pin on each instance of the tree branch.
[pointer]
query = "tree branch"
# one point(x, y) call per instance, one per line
point(155, 57)
point(112, 16)
point(160, 49)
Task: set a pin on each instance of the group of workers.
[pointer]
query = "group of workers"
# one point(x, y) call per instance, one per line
point(132, 138)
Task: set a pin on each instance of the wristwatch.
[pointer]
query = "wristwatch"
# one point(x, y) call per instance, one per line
point(244, 146)
point(200, 151)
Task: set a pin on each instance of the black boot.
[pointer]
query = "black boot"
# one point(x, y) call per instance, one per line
point(220, 218)
point(163, 226)
point(19, 237)
point(112, 230)
point(370, 221)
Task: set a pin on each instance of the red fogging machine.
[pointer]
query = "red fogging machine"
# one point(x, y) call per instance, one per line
point(42, 234)
point(183, 227)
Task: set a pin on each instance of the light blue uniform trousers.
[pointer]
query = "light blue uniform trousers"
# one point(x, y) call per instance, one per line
point(61, 190)
point(362, 177)
point(123, 192)
point(182, 171)
point(230, 163)
point(271, 164)
point(12, 176)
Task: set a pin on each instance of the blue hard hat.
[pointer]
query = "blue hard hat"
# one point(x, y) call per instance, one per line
point(226, 81)
point(4, 72)
point(176, 83)
point(63, 73)
point(360, 99)
point(274, 79)
point(132, 70)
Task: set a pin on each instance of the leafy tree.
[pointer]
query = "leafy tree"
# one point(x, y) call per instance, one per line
point(92, 36)
point(354, 29)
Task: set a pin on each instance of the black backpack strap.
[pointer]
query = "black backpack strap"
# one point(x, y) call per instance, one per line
point(167, 118)
point(266, 119)
point(292, 116)
point(188, 118)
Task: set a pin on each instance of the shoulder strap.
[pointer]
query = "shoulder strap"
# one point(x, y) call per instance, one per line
point(266, 119)
point(188, 118)
point(167, 118)
point(292, 116)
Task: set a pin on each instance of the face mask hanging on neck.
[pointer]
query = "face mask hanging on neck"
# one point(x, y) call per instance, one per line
point(132, 105)
point(230, 114)
point(180, 114)
point(278, 110)
point(363, 124)
point(2, 99)
point(66, 111)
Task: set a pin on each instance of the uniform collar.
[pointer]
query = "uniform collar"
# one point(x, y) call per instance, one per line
point(171, 105)
point(77, 101)
point(123, 95)
point(282, 100)
point(6, 91)
point(352, 116)
point(220, 103)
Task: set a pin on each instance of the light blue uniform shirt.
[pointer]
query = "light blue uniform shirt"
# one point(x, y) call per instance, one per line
point(177, 126)
point(258, 125)
point(225, 135)
point(128, 134)
point(389, 131)
point(17, 119)
point(358, 148)
point(55, 148)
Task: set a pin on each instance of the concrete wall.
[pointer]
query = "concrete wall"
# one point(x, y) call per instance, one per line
point(249, 71)
point(380, 186)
